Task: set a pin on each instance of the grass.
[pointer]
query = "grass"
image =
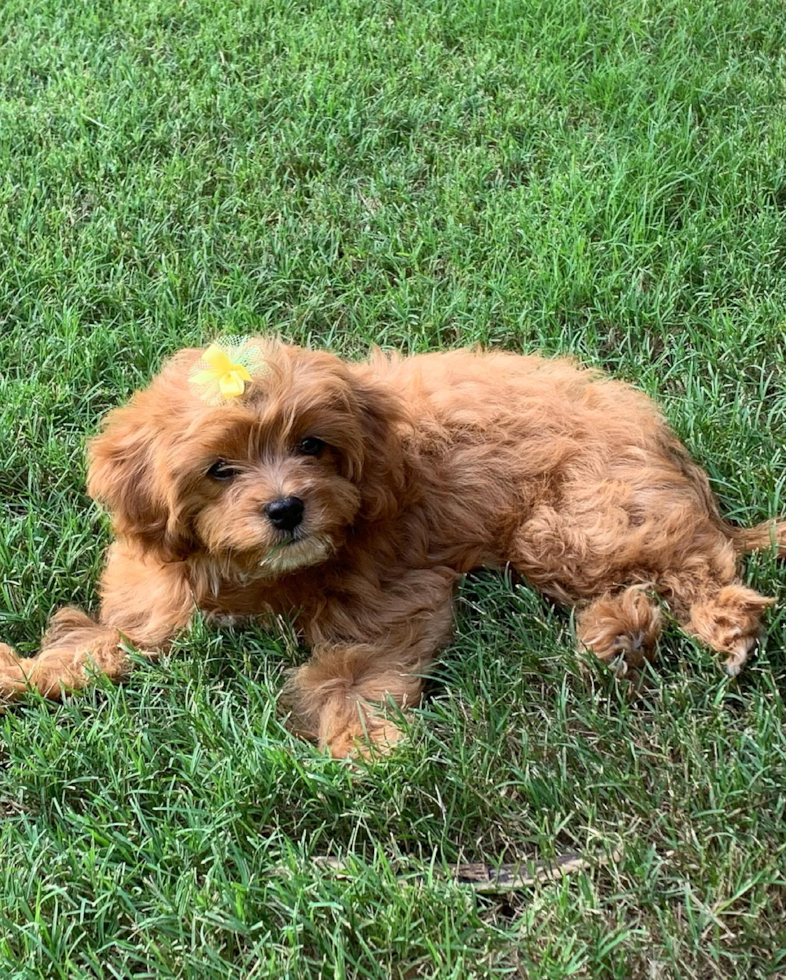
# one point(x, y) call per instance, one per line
point(574, 176)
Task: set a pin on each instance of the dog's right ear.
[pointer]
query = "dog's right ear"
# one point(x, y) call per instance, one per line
point(124, 477)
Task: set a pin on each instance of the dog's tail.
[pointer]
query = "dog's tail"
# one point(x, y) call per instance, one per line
point(760, 537)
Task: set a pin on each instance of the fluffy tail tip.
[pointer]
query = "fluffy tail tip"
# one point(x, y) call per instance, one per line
point(761, 537)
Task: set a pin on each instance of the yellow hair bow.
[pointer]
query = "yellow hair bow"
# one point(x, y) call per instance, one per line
point(228, 371)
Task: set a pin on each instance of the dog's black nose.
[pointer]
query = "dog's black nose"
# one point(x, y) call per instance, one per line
point(285, 513)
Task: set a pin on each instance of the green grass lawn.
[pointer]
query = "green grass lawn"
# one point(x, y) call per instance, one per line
point(566, 175)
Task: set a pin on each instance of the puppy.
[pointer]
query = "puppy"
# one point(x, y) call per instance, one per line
point(269, 479)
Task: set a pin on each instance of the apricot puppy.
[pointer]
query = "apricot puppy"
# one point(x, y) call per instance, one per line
point(263, 478)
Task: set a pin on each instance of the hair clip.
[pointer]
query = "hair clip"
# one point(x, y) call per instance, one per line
point(226, 367)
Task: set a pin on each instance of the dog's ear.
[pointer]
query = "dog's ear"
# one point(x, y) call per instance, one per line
point(384, 420)
point(125, 475)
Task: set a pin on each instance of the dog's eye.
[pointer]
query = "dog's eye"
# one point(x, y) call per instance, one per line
point(310, 446)
point(221, 471)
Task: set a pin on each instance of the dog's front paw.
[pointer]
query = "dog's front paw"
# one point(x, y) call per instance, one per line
point(12, 676)
point(364, 738)
point(8, 655)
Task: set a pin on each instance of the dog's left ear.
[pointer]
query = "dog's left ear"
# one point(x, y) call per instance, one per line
point(384, 420)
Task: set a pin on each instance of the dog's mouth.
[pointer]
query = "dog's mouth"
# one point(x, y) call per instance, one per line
point(294, 550)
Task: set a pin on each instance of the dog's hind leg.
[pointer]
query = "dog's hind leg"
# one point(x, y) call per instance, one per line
point(709, 600)
point(626, 625)
point(726, 618)
point(622, 626)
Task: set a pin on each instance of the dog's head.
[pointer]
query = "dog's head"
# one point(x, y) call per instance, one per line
point(266, 483)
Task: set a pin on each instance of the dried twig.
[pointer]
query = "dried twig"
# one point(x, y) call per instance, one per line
point(487, 879)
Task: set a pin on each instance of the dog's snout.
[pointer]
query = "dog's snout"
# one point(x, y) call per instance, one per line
point(285, 513)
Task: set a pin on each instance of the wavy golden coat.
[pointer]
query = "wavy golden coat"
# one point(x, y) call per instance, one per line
point(407, 473)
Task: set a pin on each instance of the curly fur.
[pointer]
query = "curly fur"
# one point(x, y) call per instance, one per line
point(433, 465)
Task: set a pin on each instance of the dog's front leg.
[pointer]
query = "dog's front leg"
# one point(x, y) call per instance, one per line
point(144, 603)
point(341, 695)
